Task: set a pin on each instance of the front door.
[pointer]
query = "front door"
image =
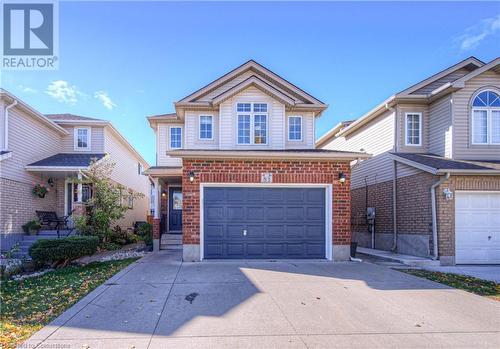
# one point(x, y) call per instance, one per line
point(175, 210)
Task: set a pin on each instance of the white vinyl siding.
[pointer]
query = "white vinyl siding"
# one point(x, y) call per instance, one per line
point(163, 145)
point(401, 145)
point(96, 139)
point(463, 146)
point(413, 129)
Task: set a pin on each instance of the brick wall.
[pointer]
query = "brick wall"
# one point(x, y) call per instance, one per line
point(18, 205)
point(240, 171)
point(446, 208)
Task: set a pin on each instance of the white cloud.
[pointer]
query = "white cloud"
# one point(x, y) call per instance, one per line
point(27, 89)
point(62, 91)
point(477, 33)
point(106, 101)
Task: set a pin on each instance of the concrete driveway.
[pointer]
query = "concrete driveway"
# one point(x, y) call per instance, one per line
point(159, 302)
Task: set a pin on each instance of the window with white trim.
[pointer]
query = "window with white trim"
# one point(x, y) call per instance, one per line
point(485, 118)
point(175, 137)
point(206, 127)
point(295, 128)
point(413, 127)
point(82, 138)
point(252, 123)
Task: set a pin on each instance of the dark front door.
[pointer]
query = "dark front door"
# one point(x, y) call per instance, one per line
point(175, 210)
point(241, 222)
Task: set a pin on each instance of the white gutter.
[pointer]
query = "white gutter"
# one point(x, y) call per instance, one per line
point(6, 125)
point(434, 215)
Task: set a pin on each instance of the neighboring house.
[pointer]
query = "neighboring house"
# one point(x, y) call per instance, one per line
point(434, 178)
point(237, 173)
point(52, 150)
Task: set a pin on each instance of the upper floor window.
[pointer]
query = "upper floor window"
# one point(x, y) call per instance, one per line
point(140, 168)
point(82, 138)
point(175, 137)
point(206, 127)
point(252, 123)
point(413, 134)
point(295, 128)
point(486, 118)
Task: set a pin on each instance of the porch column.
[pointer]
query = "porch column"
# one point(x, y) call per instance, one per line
point(156, 217)
point(78, 206)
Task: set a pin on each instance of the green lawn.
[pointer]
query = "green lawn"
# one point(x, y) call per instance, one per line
point(28, 305)
point(471, 284)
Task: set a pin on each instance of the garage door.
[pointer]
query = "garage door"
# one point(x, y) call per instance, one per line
point(242, 222)
point(477, 227)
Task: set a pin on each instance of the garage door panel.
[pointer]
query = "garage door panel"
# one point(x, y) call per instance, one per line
point(215, 212)
point(279, 223)
point(477, 227)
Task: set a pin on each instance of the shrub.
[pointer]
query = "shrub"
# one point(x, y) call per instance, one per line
point(145, 231)
point(120, 237)
point(59, 252)
point(32, 226)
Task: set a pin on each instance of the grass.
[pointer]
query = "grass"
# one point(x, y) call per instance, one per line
point(30, 304)
point(471, 284)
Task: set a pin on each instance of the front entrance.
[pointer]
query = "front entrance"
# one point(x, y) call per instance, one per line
point(175, 210)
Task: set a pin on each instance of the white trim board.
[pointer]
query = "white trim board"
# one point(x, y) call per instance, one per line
point(328, 207)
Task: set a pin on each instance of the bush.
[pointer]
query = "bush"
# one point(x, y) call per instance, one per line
point(32, 226)
point(120, 237)
point(59, 252)
point(145, 231)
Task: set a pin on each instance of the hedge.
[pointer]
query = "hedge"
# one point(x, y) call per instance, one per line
point(61, 251)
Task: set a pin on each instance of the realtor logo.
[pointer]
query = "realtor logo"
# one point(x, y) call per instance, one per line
point(29, 38)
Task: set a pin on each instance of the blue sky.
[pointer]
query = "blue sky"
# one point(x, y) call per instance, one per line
point(122, 61)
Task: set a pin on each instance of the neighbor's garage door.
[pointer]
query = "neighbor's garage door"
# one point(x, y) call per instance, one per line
point(477, 227)
point(241, 222)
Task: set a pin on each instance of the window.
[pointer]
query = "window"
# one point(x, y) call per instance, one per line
point(486, 118)
point(175, 137)
point(252, 123)
point(140, 168)
point(295, 128)
point(86, 192)
point(82, 138)
point(413, 129)
point(130, 200)
point(206, 127)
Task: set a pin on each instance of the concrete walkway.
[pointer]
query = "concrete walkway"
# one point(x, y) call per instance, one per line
point(159, 302)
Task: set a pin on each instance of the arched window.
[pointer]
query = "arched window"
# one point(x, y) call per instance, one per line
point(486, 118)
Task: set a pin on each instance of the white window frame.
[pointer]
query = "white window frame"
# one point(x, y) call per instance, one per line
point(75, 139)
point(420, 128)
point(199, 127)
point(301, 128)
point(489, 121)
point(252, 122)
point(170, 137)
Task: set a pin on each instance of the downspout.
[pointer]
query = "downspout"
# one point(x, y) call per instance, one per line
point(6, 124)
point(434, 215)
point(394, 183)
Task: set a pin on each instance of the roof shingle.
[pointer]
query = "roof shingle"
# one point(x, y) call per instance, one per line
point(68, 160)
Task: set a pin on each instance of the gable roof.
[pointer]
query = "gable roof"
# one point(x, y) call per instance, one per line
point(70, 117)
point(261, 76)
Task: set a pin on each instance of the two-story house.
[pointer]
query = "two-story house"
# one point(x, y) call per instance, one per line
point(53, 150)
point(434, 178)
point(238, 175)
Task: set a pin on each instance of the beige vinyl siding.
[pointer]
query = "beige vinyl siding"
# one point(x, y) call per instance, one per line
point(401, 112)
point(96, 142)
point(440, 127)
point(230, 84)
point(376, 138)
point(275, 120)
point(125, 172)
point(2, 123)
point(307, 141)
point(462, 145)
point(29, 141)
point(457, 74)
point(404, 170)
point(163, 140)
point(192, 131)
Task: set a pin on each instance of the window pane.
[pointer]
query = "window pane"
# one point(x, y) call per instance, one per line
point(205, 127)
point(493, 99)
point(260, 107)
point(294, 128)
point(260, 129)
point(480, 126)
point(82, 138)
point(175, 137)
point(495, 126)
point(244, 107)
point(413, 129)
point(244, 129)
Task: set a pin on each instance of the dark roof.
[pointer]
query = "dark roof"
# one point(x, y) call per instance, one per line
point(441, 163)
point(68, 160)
point(314, 150)
point(4, 152)
point(70, 117)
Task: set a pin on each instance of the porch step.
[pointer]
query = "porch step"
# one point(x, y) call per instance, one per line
point(413, 261)
point(171, 242)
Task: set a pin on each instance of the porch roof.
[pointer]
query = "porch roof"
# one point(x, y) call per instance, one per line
point(65, 162)
point(160, 171)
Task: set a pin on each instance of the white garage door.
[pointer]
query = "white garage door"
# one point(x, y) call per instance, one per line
point(477, 227)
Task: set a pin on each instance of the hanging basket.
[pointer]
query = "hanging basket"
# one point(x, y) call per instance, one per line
point(40, 191)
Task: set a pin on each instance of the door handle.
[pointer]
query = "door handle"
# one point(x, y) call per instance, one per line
point(489, 237)
point(244, 232)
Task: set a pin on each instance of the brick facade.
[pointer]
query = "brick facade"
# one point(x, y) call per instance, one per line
point(446, 208)
point(241, 171)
